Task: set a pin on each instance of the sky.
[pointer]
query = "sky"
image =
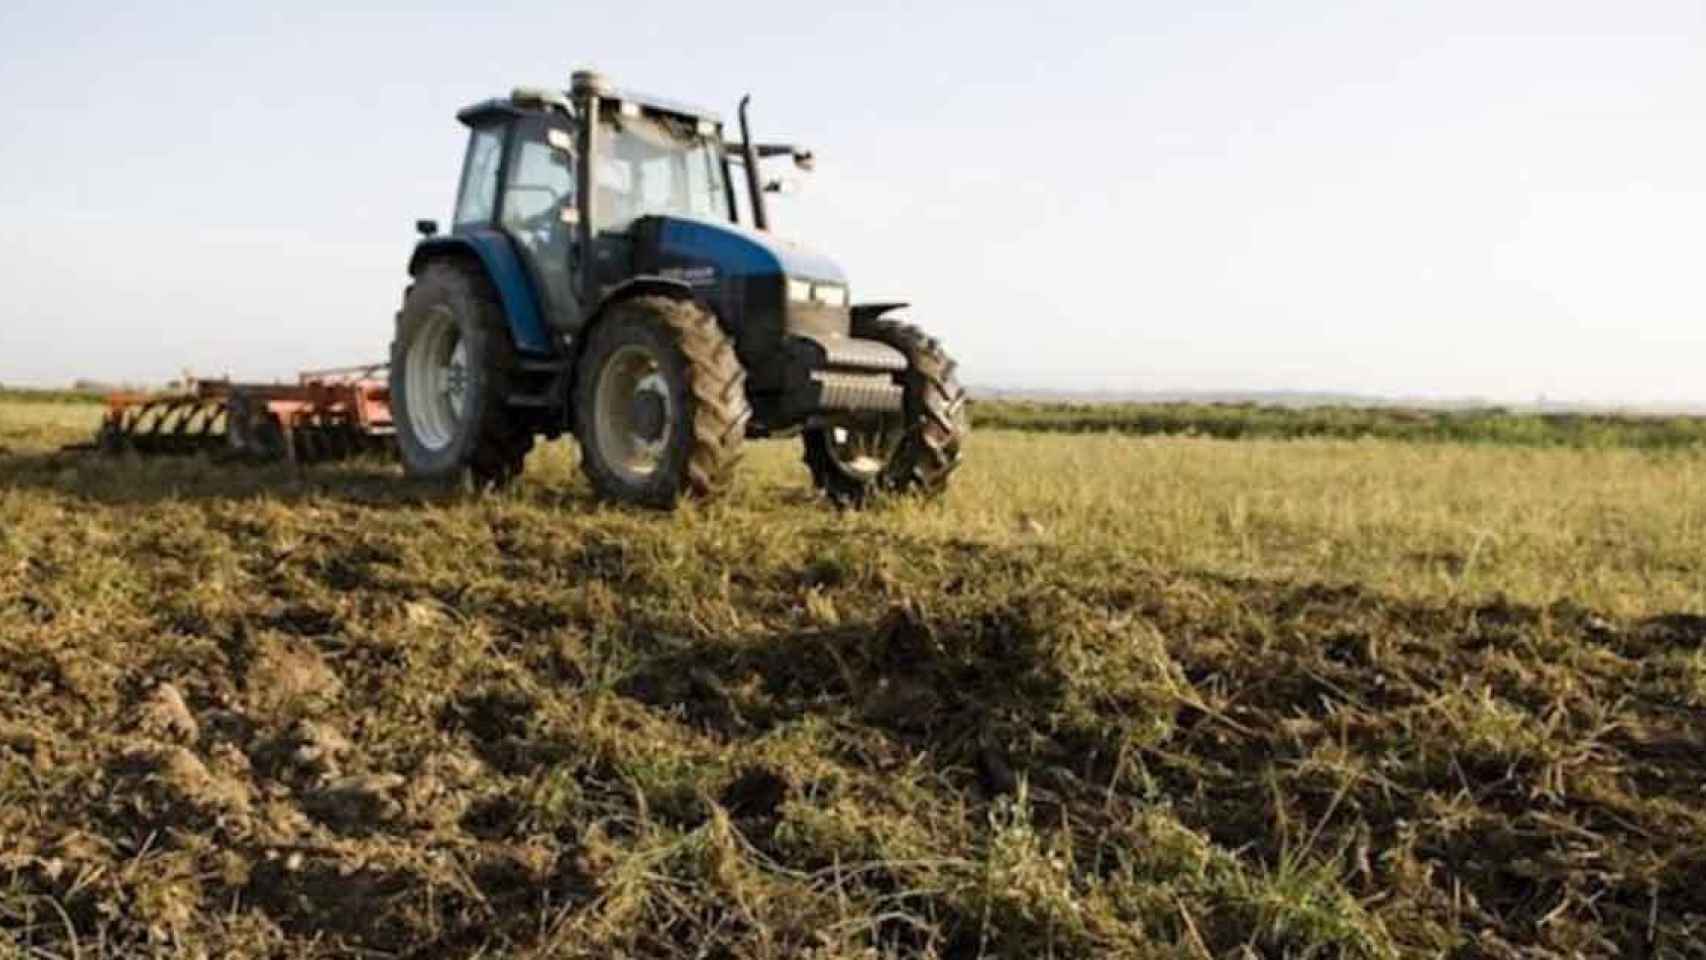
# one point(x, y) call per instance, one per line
point(1502, 198)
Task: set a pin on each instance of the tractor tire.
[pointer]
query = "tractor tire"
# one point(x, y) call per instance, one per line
point(917, 453)
point(660, 404)
point(451, 364)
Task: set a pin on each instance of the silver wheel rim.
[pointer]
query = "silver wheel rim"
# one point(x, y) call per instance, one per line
point(437, 375)
point(859, 454)
point(629, 374)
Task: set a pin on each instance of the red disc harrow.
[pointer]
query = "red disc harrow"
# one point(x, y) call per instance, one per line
point(325, 415)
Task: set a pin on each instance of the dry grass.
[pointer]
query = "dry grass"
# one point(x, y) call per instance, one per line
point(1115, 697)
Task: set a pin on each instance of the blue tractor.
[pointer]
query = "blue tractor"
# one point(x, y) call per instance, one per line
point(596, 281)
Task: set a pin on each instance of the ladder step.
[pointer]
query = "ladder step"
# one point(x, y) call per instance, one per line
point(536, 400)
point(542, 366)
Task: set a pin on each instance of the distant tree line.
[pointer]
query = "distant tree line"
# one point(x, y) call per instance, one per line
point(80, 391)
point(1243, 421)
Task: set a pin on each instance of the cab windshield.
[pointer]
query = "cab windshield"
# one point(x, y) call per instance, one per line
point(656, 165)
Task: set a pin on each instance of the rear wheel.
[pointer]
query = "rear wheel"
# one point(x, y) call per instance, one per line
point(660, 404)
point(450, 370)
point(916, 452)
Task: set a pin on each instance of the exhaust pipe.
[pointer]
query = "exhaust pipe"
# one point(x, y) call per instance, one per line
point(749, 154)
point(587, 88)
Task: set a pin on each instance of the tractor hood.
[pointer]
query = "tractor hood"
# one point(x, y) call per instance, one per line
point(747, 278)
point(737, 253)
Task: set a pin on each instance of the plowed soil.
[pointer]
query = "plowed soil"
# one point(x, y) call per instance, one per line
point(1115, 697)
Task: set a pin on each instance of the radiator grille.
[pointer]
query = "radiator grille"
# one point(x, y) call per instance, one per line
point(855, 391)
point(861, 354)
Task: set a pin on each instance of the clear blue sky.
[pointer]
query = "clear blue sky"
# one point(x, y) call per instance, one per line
point(1440, 197)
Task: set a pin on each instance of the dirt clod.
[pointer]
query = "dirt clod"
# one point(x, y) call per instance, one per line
point(187, 788)
point(291, 677)
point(19, 740)
point(165, 716)
point(902, 702)
point(356, 804)
point(317, 747)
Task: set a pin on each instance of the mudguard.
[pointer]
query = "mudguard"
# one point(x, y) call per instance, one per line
point(640, 286)
point(645, 285)
point(508, 277)
point(871, 311)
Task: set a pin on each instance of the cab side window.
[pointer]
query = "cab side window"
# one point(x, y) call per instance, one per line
point(476, 201)
point(541, 184)
point(539, 214)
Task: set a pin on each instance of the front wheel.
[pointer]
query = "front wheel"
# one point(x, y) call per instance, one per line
point(915, 452)
point(660, 404)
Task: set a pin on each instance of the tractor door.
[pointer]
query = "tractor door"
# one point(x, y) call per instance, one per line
point(540, 214)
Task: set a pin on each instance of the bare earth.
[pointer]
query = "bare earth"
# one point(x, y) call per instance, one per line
point(1115, 697)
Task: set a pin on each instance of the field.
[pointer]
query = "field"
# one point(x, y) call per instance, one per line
point(1117, 696)
point(1249, 421)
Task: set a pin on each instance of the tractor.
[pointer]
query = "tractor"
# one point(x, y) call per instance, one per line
point(596, 280)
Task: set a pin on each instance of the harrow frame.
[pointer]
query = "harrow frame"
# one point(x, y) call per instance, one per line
point(326, 415)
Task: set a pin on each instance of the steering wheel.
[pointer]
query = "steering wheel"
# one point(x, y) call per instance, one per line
point(545, 219)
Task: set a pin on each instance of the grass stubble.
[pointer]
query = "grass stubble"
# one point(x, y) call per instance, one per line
point(1116, 696)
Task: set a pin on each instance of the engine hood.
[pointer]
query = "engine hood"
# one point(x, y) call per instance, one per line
point(739, 253)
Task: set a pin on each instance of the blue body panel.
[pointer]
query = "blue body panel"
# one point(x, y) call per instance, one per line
point(740, 258)
point(504, 268)
point(739, 252)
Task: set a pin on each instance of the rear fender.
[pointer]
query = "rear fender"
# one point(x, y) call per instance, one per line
point(507, 275)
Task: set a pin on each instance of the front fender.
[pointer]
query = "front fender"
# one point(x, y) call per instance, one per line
point(646, 285)
point(507, 275)
point(863, 312)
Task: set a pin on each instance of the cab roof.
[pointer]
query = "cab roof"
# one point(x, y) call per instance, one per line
point(507, 107)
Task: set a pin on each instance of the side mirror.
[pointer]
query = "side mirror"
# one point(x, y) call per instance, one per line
point(805, 161)
point(426, 228)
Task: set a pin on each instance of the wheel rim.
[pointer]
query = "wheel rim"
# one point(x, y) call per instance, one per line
point(438, 376)
point(635, 414)
point(860, 454)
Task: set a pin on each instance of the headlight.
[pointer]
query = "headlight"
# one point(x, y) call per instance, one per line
point(823, 294)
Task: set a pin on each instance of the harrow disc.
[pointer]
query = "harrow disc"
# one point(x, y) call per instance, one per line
point(327, 415)
point(165, 425)
point(253, 431)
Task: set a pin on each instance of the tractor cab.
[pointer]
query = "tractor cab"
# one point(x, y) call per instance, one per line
point(591, 214)
point(530, 161)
